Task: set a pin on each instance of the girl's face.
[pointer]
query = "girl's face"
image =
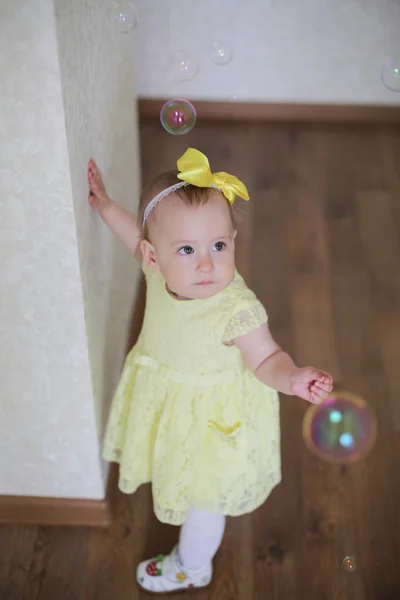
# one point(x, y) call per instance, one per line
point(192, 246)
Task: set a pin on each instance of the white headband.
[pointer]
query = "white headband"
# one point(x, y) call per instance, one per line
point(162, 194)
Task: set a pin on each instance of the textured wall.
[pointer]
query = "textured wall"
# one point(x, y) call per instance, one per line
point(97, 76)
point(284, 50)
point(66, 286)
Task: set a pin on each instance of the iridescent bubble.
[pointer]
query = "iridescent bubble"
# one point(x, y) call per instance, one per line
point(184, 66)
point(125, 15)
point(349, 563)
point(341, 429)
point(178, 116)
point(390, 74)
point(220, 53)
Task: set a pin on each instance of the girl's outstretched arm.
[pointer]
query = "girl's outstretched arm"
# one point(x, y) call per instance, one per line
point(120, 221)
point(275, 368)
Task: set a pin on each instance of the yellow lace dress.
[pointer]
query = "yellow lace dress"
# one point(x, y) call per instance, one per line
point(188, 415)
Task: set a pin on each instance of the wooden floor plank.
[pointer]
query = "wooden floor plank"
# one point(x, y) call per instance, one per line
point(17, 544)
point(323, 516)
point(276, 529)
point(58, 564)
point(376, 229)
point(364, 374)
point(114, 553)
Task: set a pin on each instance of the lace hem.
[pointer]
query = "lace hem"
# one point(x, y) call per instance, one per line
point(246, 506)
point(245, 321)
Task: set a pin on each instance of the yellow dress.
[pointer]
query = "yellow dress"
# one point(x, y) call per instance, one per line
point(188, 415)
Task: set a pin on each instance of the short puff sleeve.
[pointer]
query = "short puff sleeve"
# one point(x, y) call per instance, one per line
point(245, 321)
point(245, 312)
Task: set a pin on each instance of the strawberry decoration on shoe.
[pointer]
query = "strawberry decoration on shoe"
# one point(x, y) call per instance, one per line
point(153, 569)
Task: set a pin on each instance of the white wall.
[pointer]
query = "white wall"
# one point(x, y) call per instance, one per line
point(311, 51)
point(66, 287)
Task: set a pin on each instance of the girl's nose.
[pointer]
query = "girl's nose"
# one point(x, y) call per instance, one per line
point(205, 265)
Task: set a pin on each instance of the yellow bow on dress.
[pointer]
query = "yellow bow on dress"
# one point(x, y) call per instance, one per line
point(195, 169)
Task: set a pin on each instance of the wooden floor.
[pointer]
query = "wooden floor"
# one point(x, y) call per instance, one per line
point(321, 248)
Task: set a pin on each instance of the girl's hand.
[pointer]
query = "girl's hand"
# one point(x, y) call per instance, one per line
point(311, 384)
point(98, 197)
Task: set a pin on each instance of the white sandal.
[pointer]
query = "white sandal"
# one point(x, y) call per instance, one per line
point(165, 574)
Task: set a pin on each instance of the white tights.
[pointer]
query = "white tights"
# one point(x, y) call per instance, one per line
point(200, 537)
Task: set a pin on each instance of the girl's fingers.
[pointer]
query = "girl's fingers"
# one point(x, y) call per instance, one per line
point(326, 387)
point(95, 169)
point(322, 394)
point(96, 185)
point(326, 378)
point(315, 399)
point(95, 182)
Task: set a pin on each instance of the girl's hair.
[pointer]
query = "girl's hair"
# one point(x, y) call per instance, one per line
point(191, 195)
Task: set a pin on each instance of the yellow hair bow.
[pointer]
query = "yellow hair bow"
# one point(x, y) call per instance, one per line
point(195, 169)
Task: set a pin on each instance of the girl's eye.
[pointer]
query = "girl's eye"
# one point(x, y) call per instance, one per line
point(186, 250)
point(219, 246)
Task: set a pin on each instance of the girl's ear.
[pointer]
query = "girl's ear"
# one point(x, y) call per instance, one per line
point(149, 254)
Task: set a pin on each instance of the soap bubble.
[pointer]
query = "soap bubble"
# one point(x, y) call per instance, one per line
point(349, 563)
point(220, 53)
point(390, 74)
point(341, 429)
point(126, 16)
point(184, 66)
point(178, 116)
